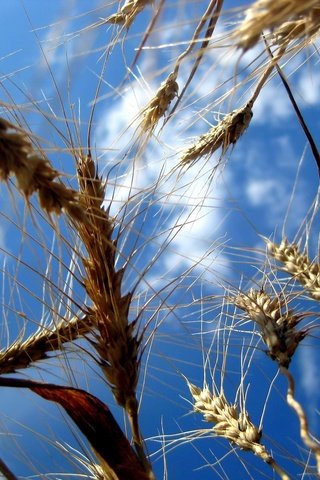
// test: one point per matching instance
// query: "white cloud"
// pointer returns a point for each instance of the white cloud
(190, 218)
(309, 87)
(263, 192)
(271, 107)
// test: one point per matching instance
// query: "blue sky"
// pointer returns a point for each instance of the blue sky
(197, 222)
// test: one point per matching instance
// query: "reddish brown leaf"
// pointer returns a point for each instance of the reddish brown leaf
(95, 421)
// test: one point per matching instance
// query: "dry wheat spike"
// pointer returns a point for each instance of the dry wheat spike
(276, 322)
(159, 104)
(34, 173)
(227, 132)
(21, 354)
(287, 19)
(232, 424)
(298, 265)
(117, 341)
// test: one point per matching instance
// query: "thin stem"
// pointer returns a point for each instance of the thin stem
(302, 122)
(267, 73)
(304, 428)
(262, 453)
(6, 471)
(212, 23)
(138, 441)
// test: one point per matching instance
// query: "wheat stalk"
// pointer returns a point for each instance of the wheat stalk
(309, 441)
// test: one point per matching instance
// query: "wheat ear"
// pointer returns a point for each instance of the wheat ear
(117, 341)
(227, 132)
(276, 322)
(34, 173)
(49, 338)
(288, 19)
(298, 265)
(159, 104)
(232, 424)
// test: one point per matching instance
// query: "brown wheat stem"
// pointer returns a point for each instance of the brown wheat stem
(214, 16)
(264, 77)
(302, 121)
(4, 469)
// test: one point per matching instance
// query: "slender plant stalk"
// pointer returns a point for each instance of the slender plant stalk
(308, 440)
(4, 469)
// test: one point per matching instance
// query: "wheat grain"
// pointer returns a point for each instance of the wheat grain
(298, 265)
(117, 345)
(304, 29)
(277, 323)
(117, 342)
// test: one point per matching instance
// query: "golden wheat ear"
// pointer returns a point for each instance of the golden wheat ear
(276, 322)
(117, 339)
(159, 104)
(288, 20)
(96, 422)
(298, 264)
(226, 133)
(34, 173)
(232, 423)
(51, 338)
